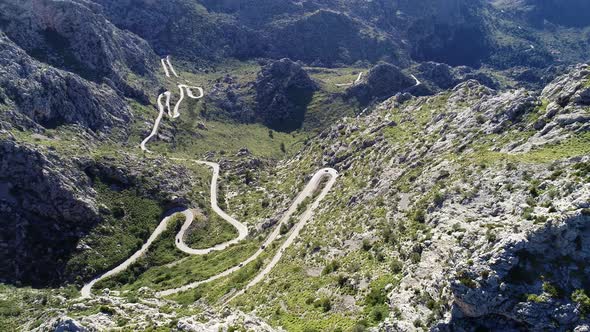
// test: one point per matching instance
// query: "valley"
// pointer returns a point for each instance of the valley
(279, 165)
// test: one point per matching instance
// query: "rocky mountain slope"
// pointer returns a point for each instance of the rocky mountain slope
(460, 211)
(332, 32)
(73, 35)
(462, 200)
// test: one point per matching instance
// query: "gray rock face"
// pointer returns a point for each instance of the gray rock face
(202, 34)
(73, 35)
(506, 242)
(225, 94)
(67, 324)
(328, 37)
(382, 82)
(45, 202)
(548, 263)
(565, 110)
(52, 97)
(438, 73)
(283, 91)
(439, 76)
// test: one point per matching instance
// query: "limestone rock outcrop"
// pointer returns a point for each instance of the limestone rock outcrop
(283, 91)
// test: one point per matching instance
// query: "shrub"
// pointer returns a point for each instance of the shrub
(485, 274)
(378, 314)
(324, 303)
(490, 236)
(107, 310)
(419, 216)
(511, 167)
(359, 328)
(583, 301)
(396, 266)
(480, 119)
(466, 280)
(333, 266)
(367, 245)
(534, 298)
(541, 219)
(552, 290)
(527, 213)
(438, 198)
(8, 309)
(285, 228)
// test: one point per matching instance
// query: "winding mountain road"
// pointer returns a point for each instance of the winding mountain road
(308, 191)
(418, 83)
(189, 92)
(173, 114)
(158, 120)
(170, 66)
(307, 215)
(87, 289)
(242, 229)
(189, 214)
(179, 241)
(166, 71)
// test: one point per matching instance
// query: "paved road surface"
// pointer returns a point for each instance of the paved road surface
(242, 229)
(87, 289)
(158, 120)
(189, 216)
(307, 192)
(171, 67)
(189, 92)
(167, 65)
(307, 215)
(165, 68)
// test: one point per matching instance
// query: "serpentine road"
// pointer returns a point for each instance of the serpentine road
(295, 233)
(242, 229)
(308, 191)
(417, 81)
(173, 114)
(180, 244)
(158, 120)
(189, 214)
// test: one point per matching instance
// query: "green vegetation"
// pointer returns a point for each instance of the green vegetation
(215, 291)
(535, 298)
(228, 138)
(579, 296)
(162, 251)
(465, 279)
(552, 290)
(577, 145)
(582, 170)
(333, 266)
(376, 307)
(165, 275)
(19, 306)
(208, 232)
(128, 222)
